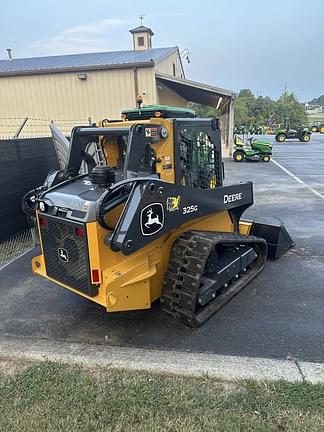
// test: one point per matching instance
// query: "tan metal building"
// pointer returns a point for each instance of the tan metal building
(70, 89)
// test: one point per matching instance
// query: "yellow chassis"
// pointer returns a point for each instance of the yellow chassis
(135, 281)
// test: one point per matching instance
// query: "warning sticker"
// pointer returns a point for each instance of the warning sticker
(151, 132)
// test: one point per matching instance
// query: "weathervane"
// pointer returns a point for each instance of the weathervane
(141, 17)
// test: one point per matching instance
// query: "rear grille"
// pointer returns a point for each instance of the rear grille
(66, 253)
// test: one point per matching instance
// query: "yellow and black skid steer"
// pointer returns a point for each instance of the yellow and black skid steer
(145, 216)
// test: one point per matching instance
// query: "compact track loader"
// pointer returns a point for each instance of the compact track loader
(146, 216)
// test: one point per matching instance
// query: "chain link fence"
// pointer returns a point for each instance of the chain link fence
(15, 247)
(30, 127)
(26, 155)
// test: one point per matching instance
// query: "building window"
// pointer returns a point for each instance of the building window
(140, 41)
(174, 69)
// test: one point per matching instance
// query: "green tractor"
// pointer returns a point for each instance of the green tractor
(317, 127)
(292, 129)
(252, 129)
(241, 129)
(253, 149)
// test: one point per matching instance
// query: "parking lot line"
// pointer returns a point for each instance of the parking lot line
(297, 179)
(282, 156)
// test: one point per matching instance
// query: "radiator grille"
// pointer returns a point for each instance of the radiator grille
(65, 253)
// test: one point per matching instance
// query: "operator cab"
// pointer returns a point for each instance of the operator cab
(156, 140)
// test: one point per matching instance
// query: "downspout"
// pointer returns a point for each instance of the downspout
(135, 82)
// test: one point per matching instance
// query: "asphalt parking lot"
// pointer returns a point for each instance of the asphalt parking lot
(279, 315)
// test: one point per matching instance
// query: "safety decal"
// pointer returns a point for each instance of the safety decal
(173, 203)
(152, 219)
(151, 132)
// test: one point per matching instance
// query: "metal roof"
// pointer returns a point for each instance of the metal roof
(142, 29)
(194, 91)
(88, 61)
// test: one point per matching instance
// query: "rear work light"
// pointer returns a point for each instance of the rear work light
(43, 221)
(79, 232)
(95, 276)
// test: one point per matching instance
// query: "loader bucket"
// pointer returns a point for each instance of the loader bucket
(276, 236)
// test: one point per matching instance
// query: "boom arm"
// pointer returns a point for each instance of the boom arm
(154, 208)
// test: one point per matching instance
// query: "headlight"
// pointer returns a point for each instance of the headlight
(163, 132)
(42, 206)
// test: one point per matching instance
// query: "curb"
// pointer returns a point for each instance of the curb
(169, 362)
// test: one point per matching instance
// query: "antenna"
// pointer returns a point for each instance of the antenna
(141, 17)
(9, 51)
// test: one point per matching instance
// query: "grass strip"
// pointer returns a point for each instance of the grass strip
(56, 397)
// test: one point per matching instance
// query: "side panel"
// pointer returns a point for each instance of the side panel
(136, 280)
(146, 86)
(64, 97)
(171, 66)
(156, 208)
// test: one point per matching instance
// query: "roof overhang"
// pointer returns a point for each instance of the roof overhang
(194, 91)
(89, 68)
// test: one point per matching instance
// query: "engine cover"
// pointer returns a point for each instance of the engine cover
(75, 200)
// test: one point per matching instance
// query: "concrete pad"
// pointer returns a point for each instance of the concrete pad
(312, 372)
(226, 368)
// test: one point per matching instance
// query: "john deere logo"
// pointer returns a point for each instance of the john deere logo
(152, 219)
(173, 203)
(63, 255)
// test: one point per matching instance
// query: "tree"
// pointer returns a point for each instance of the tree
(243, 106)
(287, 106)
(317, 101)
(241, 114)
(263, 109)
(246, 94)
(249, 110)
(204, 111)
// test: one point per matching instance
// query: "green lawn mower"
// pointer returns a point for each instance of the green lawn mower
(254, 149)
(292, 129)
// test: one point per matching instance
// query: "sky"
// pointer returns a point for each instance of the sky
(236, 44)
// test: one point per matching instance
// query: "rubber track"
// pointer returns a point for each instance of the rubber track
(186, 267)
